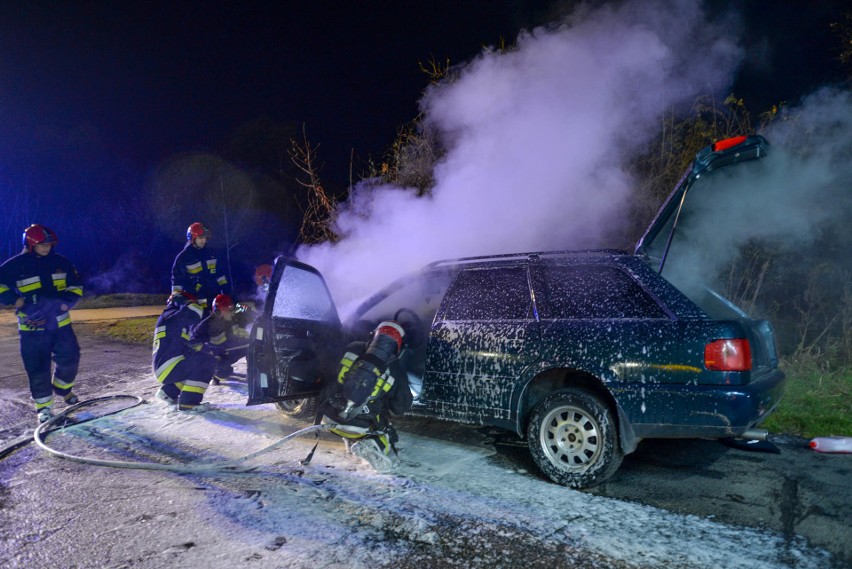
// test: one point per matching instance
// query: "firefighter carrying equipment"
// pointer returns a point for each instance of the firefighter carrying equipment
(368, 376)
(371, 387)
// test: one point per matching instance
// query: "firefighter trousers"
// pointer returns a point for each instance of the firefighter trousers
(189, 379)
(39, 351)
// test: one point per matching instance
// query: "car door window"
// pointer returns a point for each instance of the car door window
(588, 292)
(302, 294)
(489, 294)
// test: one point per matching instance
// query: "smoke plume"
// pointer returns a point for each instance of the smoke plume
(789, 199)
(538, 139)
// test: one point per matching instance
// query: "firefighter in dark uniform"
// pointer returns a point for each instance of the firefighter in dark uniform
(43, 286)
(371, 388)
(196, 271)
(179, 365)
(262, 278)
(225, 334)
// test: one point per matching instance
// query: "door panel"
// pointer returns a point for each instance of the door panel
(478, 345)
(296, 342)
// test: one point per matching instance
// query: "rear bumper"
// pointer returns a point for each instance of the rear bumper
(688, 411)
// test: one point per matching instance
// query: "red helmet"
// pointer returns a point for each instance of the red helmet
(223, 303)
(262, 275)
(196, 230)
(393, 330)
(36, 234)
(181, 297)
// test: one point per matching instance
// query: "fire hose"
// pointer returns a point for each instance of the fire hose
(233, 465)
(40, 431)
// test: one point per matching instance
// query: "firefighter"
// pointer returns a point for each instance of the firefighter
(195, 268)
(179, 365)
(371, 388)
(262, 278)
(43, 285)
(225, 334)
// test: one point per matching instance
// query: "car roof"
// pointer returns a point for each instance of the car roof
(534, 256)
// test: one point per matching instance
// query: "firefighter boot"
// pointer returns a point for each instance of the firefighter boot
(369, 450)
(165, 397)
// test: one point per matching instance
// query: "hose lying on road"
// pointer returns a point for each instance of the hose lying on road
(223, 466)
(30, 438)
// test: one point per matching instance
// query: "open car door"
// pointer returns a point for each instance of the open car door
(296, 341)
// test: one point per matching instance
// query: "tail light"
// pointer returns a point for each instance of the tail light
(728, 143)
(728, 355)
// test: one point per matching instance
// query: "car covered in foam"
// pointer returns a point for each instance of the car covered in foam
(581, 353)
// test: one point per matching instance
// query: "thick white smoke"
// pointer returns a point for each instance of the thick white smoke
(803, 188)
(538, 141)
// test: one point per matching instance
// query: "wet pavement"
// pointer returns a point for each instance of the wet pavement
(769, 510)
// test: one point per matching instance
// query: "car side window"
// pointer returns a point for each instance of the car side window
(589, 291)
(489, 294)
(302, 294)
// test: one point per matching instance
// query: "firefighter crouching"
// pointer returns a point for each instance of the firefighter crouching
(225, 334)
(371, 388)
(43, 286)
(183, 370)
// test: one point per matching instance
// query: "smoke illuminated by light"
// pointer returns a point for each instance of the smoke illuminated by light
(538, 142)
(803, 188)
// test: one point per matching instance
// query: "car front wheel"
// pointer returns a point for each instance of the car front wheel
(298, 408)
(573, 438)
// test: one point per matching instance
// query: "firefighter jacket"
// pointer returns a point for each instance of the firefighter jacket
(388, 393)
(172, 342)
(196, 272)
(220, 335)
(46, 283)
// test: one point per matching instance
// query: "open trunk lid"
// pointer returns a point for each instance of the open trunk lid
(666, 228)
(687, 240)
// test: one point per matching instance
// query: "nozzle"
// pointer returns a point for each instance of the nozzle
(349, 410)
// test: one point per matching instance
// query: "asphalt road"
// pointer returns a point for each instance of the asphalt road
(796, 492)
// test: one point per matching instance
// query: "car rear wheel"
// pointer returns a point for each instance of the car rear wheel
(573, 438)
(298, 408)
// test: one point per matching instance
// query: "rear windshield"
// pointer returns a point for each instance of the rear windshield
(719, 211)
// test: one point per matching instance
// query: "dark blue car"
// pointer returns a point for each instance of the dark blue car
(583, 353)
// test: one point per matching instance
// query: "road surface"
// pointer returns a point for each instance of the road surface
(463, 497)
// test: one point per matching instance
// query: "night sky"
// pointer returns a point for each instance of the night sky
(98, 94)
(156, 78)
